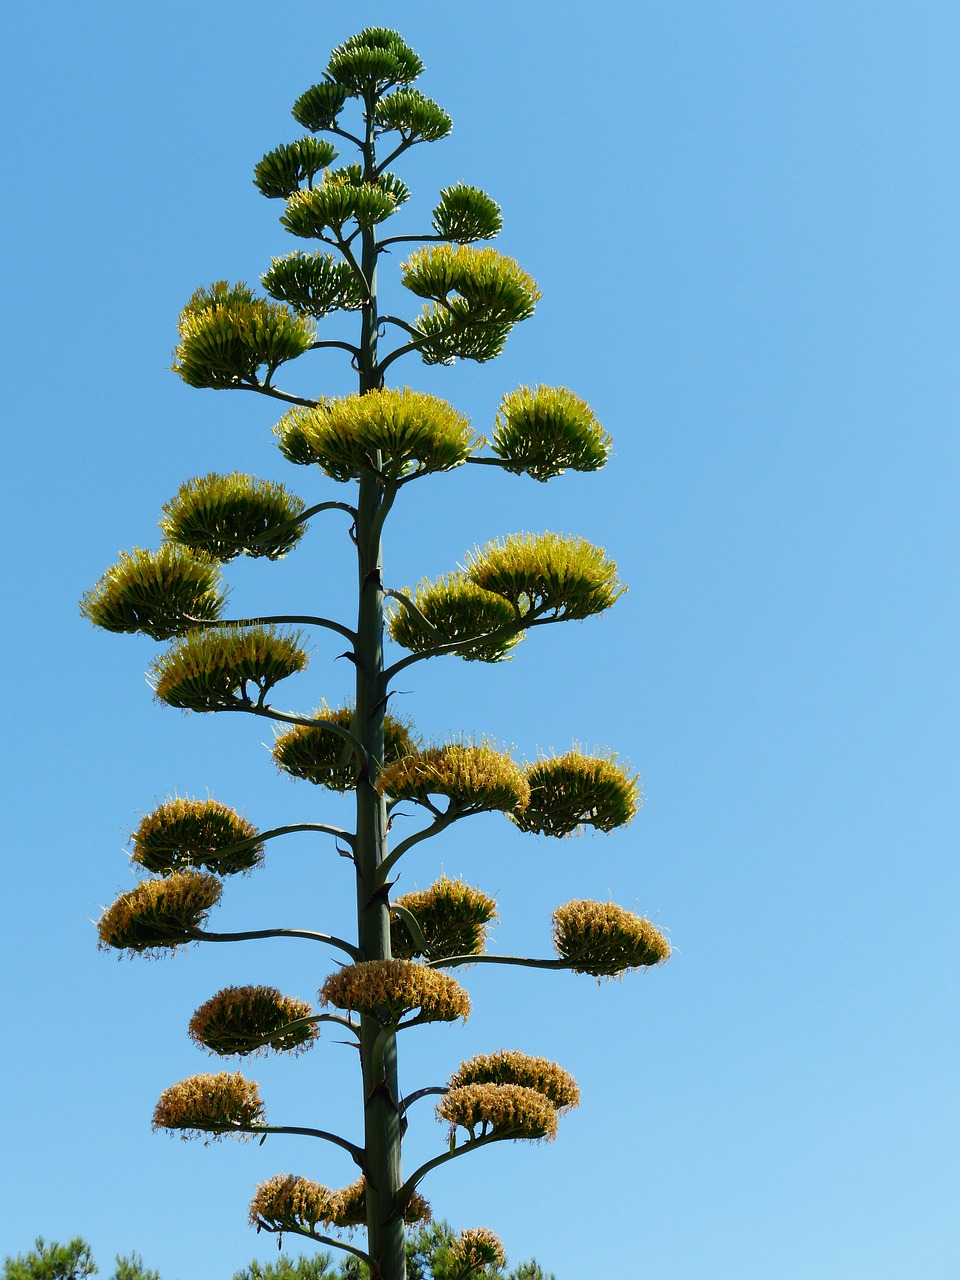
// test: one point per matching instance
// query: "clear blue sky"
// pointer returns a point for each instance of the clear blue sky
(743, 217)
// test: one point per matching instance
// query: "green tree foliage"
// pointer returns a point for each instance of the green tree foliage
(358, 455)
(71, 1261)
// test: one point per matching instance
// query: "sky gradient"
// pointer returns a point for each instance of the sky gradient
(743, 220)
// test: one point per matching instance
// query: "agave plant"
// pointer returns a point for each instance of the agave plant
(393, 974)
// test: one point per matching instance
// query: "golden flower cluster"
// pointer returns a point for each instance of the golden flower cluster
(210, 1104)
(572, 791)
(452, 916)
(288, 1202)
(388, 989)
(605, 940)
(159, 914)
(473, 1252)
(509, 1066)
(236, 1020)
(472, 776)
(499, 1110)
(191, 833)
(324, 758)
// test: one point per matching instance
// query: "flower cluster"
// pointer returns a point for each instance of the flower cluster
(605, 940)
(573, 791)
(212, 670)
(544, 431)
(389, 989)
(288, 1202)
(210, 1105)
(406, 432)
(159, 914)
(247, 1020)
(184, 833)
(454, 611)
(226, 516)
(509, 1066)
(498, 1110)
(321, 756)
(452, 916)
(159, 593)
(548, 574)
(473, 777)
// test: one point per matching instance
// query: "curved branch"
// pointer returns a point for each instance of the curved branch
(337, 832)
(247, 935)
(412, 925)
(330, 342)
(452, 962)
(312, 1235)
(411, 1098)
(289, 619)
(407, 347)
(256, 1042)
(401, 324)
(405, 145)
(303, 518)
(355, 1152)
(489, 462)
(265, 389)
(523, 623)
(440, 823)
(414, 239)
(419, 1174)
(289, 717)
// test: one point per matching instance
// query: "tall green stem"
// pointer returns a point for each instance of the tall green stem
(382, 1119)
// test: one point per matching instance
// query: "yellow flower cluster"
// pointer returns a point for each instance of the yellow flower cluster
(288, 1202)
(475, 777)
(572, 791)
(210, 1104)
(406, 432)
(453, 918)
(500, 1110)
(605, 940)
(189, 833)
(550, 573)
(388, 989)
(324, 758)
(547, 429)
(160, 913)
(210, 670)
(475, 1250)
(509, 1066)
(235, 1021)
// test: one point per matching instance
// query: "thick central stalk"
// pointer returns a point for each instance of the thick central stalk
(382, 1127)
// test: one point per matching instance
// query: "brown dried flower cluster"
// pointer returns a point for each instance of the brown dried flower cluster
(473, 777)
(237, 1020)
(159, 914)
(193, 833)
(210, 1105)
(452, 916)
(501, 1110)
(509, 1066)
(288, 1202)
(388, 989)
(605, 940)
